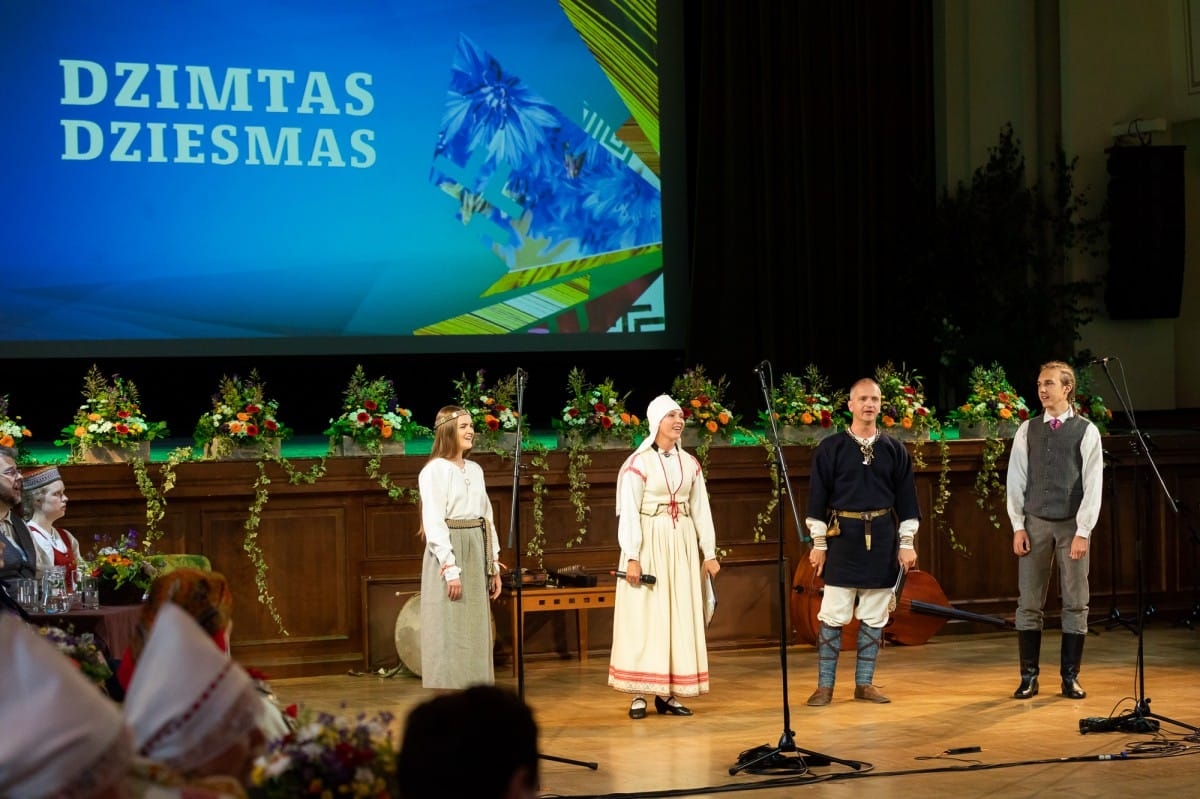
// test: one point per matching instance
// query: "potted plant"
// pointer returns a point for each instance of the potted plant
(707, 420)
(12, 432)
(492, 408)
(805, 408)
(596, 417)
(242, 424)
(109, 426)
(993, 408)
(372, 419)
(124, 571)
(902, 412)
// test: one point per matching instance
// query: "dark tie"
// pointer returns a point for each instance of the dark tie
(1055, 424)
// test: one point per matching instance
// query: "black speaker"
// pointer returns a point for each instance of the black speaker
(1145, 232)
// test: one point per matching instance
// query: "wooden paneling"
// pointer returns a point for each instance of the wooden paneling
(326, 543)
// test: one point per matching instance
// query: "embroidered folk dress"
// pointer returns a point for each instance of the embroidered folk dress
(664, 521)
(456, 637)
(55, 548)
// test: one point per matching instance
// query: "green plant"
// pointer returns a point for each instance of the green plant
(110, 415)
(372, 415)
(128, 561)
(241, 415)
(1088, 403)
(992, 399)
(492, 408)
(597, 411)
(12, 432)
(805, 401)
(902, 397)
(156, 496)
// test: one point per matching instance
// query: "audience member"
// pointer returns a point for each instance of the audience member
(481, 743)
(189, 706)
(44, 500)
(62, 736)
(18, 554)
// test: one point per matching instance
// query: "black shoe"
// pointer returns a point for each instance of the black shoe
(675, 709)
(637, 708)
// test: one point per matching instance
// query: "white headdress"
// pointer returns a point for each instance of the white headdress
(187, 700)
(658, 409)
(62, 736)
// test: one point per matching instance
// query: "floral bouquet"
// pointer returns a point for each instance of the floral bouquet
(241, 416)
(82, 649)
(702, 401)
(12, 432)
(806, 402)
(110, 416)
(992, 403)
(371, 415)
(126, 563)
(903, 400)
(491, 408)
(1089, 404)
(329, 756)
(596, 413)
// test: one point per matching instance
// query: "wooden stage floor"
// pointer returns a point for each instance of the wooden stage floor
(952, 692)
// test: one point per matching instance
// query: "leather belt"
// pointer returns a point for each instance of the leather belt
(865, 516)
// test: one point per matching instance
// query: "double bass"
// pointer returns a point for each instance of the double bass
(922, 609)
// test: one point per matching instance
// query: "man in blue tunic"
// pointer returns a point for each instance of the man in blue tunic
(861, 484)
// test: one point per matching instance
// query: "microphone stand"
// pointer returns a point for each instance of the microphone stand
(760, 759)
(1139, 720)
(514, 542)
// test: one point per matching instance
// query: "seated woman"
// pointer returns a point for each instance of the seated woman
(205, 596)
(44, 502)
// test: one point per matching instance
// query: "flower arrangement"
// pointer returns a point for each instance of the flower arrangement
(241, 415)
(806, 401)
(12, 432)
(1090, 404)
(491, 408)
(109, 416)
(82, 649)
(594, 412)
(127, 562)
(329, 755)
(702, 400)
(371, 414)
(903, 400)
(992, 400)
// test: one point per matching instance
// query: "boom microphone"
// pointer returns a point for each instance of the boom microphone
(763, 366)
(648, 579)
(1100, 361)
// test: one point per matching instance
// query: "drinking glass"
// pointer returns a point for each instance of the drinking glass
(28, 595)
(55, 597)
(89, 591)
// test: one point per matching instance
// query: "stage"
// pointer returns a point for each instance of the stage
(950, 693)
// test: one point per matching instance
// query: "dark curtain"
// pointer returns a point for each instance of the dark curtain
(811, 174)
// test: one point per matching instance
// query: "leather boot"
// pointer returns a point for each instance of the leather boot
(1029, 643)
(1072, 654)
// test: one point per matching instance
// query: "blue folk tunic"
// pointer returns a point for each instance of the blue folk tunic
(841, 481)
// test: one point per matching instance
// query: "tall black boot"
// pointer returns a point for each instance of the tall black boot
(1072, 654)
(1030, 645)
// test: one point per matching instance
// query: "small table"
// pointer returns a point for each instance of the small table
(580, 600)
(114, 625)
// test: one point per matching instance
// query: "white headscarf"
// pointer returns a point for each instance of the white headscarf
(187, 699)
(658, 409)
(62, 736)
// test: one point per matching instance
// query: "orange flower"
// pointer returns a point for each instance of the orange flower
(6, 441)
(807, 418)
(695, 403)
(712, 426)
(625, 418)
(906, 422)
(80, 431)
(724, 417)
(94, 417)
(243, 417)
(1005, 413)
(635, 420)
(26, 432)
(235, 427)
(889, 421)
(386, 431)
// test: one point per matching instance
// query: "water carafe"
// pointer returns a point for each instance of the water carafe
(55, 597)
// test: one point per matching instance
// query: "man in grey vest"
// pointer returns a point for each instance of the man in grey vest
(1055, 479)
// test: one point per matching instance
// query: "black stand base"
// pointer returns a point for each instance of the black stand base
(1140, 721)
(585, 763)
(784, 758)
(1192, 619)
(1115, 619)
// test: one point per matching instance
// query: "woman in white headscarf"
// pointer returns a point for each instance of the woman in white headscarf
(664, 525)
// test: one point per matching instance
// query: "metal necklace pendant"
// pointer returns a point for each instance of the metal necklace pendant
(865, 445)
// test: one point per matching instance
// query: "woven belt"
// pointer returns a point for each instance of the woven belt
(664, 509)
(472, 524)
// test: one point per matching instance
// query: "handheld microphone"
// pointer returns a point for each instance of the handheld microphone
(1100, 361)
(648, 579)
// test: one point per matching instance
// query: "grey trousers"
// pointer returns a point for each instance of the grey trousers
(1050, 541)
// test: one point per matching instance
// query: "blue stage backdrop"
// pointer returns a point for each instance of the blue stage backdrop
(301, 176)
